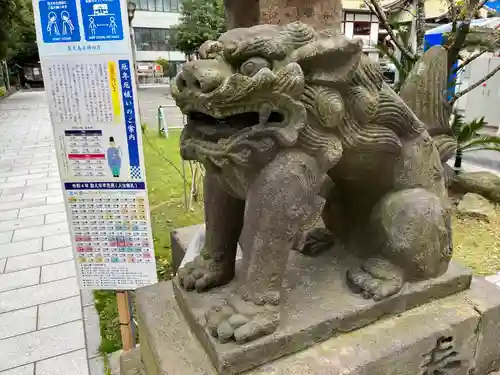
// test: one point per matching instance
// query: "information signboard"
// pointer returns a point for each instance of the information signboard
(87, 65)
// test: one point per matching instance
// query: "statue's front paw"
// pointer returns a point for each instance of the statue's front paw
(241, 321)
(377, 278)
(203, 274)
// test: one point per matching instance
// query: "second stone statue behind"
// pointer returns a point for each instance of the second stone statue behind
(295, 125)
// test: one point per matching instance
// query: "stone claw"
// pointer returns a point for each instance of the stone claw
(203, 274)
(241, 320)
(376, 278)
(318, 241)
(268, 298)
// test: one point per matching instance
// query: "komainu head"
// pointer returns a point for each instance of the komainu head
(257, 90)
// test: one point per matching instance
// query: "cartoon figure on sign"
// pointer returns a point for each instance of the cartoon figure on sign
(114, 158)
(52, 25)
(67, 25)
(92, 25)
(112, 25)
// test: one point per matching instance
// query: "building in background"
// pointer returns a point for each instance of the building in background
(152, 22)
(360, 23)
(154, 19)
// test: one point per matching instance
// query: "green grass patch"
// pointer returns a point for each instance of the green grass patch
(105, 304)
(166, 199)
(166, 190)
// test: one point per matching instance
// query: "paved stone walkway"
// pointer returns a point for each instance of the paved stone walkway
(47, 326)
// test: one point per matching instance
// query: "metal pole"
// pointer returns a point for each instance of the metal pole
(159, 115)
(132, 45)
(169, 66)
(185, 187)
(134, 59)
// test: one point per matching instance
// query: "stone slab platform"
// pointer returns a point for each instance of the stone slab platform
(456, 335)
(317, 306)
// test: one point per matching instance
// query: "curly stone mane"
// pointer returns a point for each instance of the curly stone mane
(334, 96)
(358, 108)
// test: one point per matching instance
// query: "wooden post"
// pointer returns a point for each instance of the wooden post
(125, 317)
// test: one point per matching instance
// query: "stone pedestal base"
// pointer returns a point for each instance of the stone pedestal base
(316, 305)
(457, 335)
(435, 327)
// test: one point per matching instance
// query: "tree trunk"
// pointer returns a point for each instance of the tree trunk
(241, 13)
(320, 14)
(420, 26)
(457, 166)
(5, 73)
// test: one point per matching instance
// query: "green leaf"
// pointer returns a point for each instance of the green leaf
(478, 124)
(457, 123)
(468, 132)
(485, 148)
(465, 133)
(17, 33)
(200, 20)
(486, 141)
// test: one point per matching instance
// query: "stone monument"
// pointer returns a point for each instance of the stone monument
(332, 185)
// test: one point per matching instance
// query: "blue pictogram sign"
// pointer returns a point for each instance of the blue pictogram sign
(102, 20)
(59, 21)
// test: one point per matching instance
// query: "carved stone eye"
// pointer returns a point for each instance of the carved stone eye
(253, 65)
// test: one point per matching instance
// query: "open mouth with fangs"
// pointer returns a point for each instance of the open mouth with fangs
(213, 129)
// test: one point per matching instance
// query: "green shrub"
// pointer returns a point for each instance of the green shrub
(164, 64)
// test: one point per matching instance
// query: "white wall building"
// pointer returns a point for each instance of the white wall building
(154, 19)
(152, 22)
(364, 26)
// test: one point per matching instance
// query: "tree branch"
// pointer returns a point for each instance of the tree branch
(377, 9)
(420, 26)
(479, 5)
(460, 36)
(476, 84)
(453, 14)
(461, 32)
(468, 60)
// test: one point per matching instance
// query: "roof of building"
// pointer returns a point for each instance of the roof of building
(400, 8)
(490, 23)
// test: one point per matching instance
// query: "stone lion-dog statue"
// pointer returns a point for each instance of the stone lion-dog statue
(294, 125)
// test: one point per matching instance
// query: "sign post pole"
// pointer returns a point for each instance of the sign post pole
(88, 68)
(126, 319)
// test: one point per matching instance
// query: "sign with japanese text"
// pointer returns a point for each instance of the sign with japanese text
(87, 65)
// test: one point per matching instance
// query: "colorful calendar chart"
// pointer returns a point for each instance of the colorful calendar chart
(85, 153)
(110, 229)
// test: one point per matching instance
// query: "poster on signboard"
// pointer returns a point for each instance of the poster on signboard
(88, 73)
(102, 19)
(59, 21)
